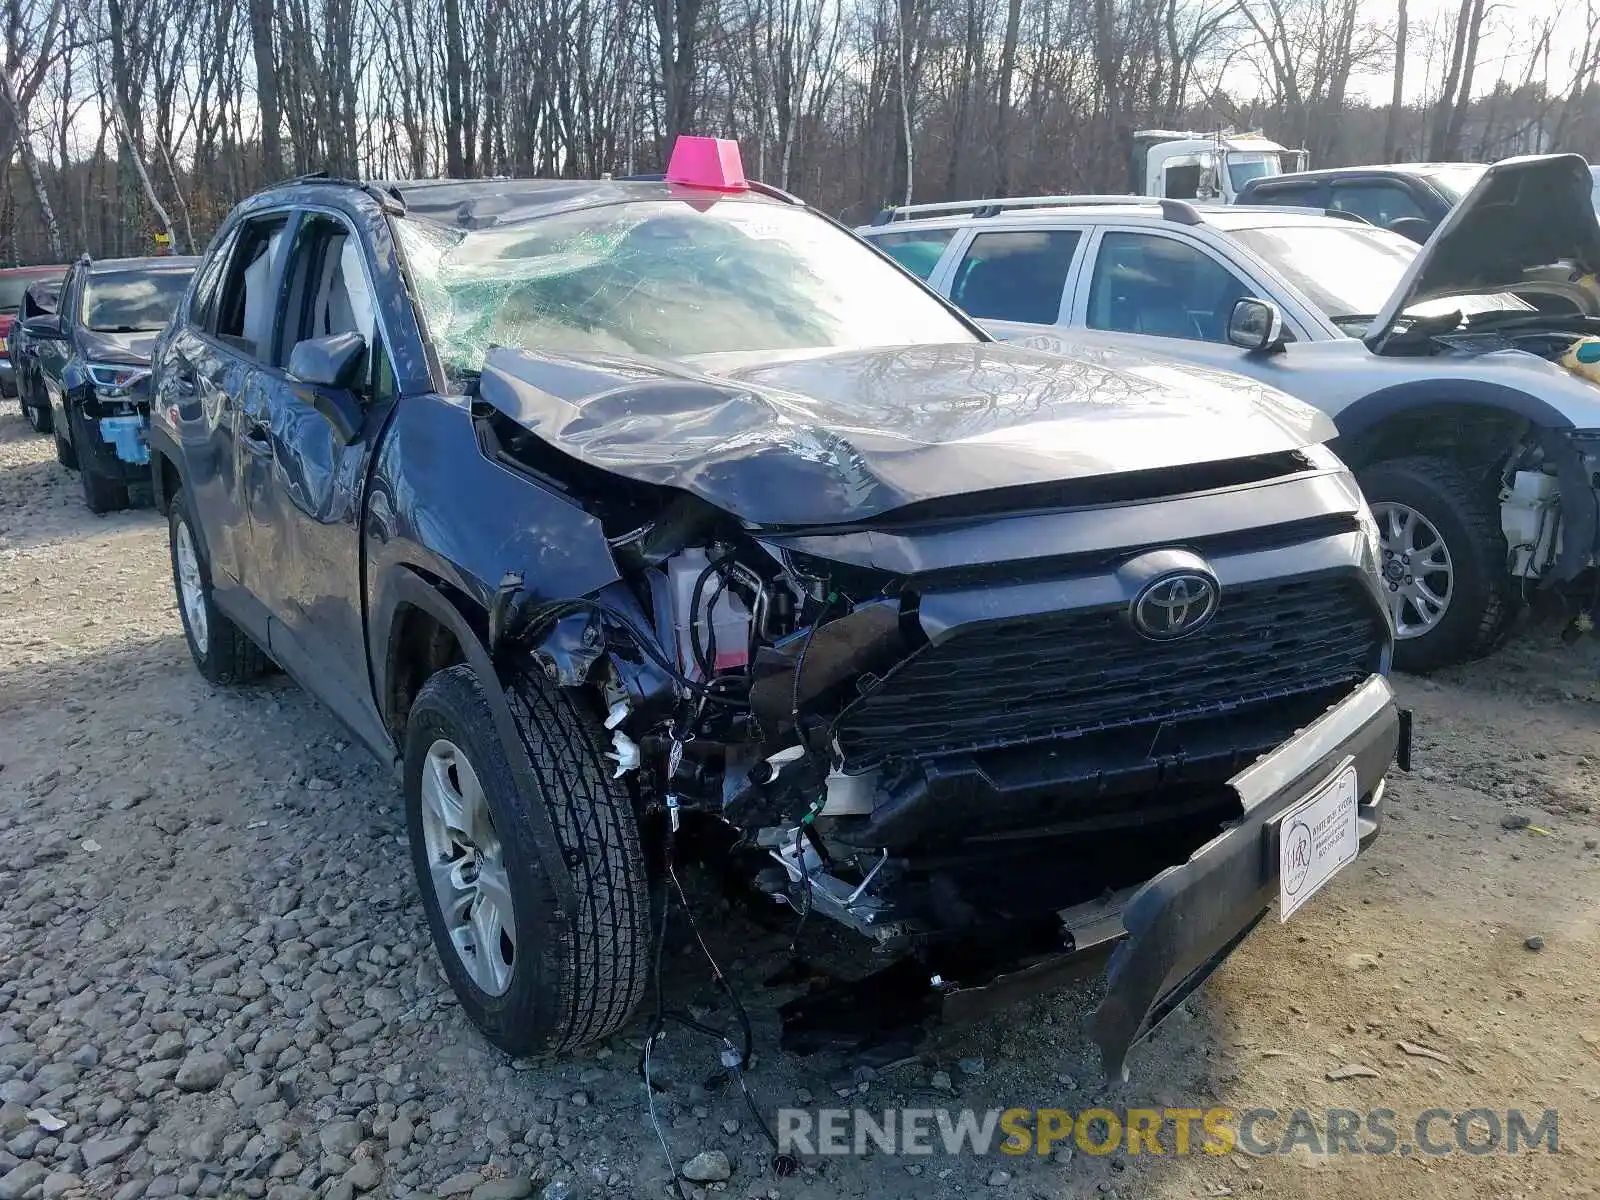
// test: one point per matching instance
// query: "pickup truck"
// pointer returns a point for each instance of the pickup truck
(614, 511)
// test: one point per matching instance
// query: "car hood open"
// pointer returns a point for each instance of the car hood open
(839, 437)
(1524, 213)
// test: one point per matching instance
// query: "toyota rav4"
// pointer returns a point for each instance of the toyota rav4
(606, 508)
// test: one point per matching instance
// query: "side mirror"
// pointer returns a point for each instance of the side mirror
(1418, 229)
(46, 328)
(328, 367)
(330, 362)
(1256, 326)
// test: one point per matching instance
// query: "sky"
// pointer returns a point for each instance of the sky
(1502, 51)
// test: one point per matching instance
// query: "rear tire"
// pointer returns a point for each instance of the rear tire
(1462, 512)
(38, 416)
(221, 650)
(559, 979)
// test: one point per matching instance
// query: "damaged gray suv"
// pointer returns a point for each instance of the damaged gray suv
(619, 513)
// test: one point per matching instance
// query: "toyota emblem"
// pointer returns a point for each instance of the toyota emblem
(1176, 605)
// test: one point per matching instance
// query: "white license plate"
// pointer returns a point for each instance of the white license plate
(1316, 838)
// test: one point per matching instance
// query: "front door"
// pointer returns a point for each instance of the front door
(307, 485)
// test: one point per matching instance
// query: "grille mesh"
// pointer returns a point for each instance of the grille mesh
(1034, 678)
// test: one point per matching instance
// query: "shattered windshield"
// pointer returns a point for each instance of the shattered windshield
(667, 279)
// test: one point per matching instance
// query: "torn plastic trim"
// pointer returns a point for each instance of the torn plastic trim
(1580, 505)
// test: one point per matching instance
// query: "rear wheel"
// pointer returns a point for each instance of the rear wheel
(223, 652)
(534, 978)
(38, 414)
(1443, 560)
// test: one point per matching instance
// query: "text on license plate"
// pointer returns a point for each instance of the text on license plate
(1316, 838)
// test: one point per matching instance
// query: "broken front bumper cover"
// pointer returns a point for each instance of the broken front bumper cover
(1165, 937)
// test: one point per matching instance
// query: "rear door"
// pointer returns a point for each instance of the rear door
(306, 482)
(210, 377)
(50, 361)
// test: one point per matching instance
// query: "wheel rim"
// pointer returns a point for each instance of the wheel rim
(466, 865)
(190, 591)
(1419, 577)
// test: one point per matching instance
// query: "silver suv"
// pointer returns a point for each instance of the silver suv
(1439, 364)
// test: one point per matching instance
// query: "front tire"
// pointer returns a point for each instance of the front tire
(102, 495)
(1443, 558)
(221, 650)
(534, 980)
(66, 454)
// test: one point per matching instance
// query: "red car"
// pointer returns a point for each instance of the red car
(13, 282)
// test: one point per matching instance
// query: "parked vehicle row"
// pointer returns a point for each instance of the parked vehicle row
(1440, 366)
(82, 356)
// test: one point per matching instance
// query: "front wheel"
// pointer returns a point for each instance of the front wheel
(535, 978)
(1443, 560)
(102, 495)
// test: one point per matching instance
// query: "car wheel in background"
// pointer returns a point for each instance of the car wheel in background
(38, 418)
(1443, 560)
(66, 454)
(223, 652)
(535, 977)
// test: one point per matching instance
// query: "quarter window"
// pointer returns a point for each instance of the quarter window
(918, 250)
(1144, 283)
(1016, 276)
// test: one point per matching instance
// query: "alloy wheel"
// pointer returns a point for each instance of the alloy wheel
(1418, 574)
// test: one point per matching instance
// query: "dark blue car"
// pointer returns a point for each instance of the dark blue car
(93, 366)
(611, 512)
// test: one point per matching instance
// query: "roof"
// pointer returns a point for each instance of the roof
(1406, 168)
(1225, 217)
(485, 203)
(160, 262)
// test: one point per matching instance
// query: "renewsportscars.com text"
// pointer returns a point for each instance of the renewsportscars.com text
(1169, 1131)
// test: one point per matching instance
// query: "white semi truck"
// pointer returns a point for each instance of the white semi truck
(1205, 166)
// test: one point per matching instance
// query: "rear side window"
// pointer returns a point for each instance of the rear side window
(247, 304)
(1016, 276)
(918, 251)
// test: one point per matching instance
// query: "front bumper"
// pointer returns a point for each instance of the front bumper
(1164, 937)
(1184, 922)
(113, 444)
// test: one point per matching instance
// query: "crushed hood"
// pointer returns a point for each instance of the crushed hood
(833, 438)
(1524, 213)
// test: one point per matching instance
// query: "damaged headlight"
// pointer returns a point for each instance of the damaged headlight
(115, 381)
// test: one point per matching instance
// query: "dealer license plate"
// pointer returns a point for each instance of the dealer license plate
(1316, 838)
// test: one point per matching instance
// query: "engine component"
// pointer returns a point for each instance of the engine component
(812, 884)
(709, 620)
(1530, 517)
(624, 750)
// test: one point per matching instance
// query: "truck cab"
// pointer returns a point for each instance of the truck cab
(1206, 166)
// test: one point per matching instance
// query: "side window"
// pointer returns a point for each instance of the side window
(203, 301)
(1016, 276)
(1147, 283)
(246, 306)
(917, 250)
(1380, 203)
(328, 294)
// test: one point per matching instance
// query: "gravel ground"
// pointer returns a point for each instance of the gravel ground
(215, 977)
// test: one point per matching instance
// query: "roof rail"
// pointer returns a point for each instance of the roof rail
(1180, 212)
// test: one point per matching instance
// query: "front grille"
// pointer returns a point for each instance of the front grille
(1054, 675)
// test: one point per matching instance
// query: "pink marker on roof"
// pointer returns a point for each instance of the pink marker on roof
(707, 162)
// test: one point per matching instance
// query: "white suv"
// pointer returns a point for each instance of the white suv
(1438, 363)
